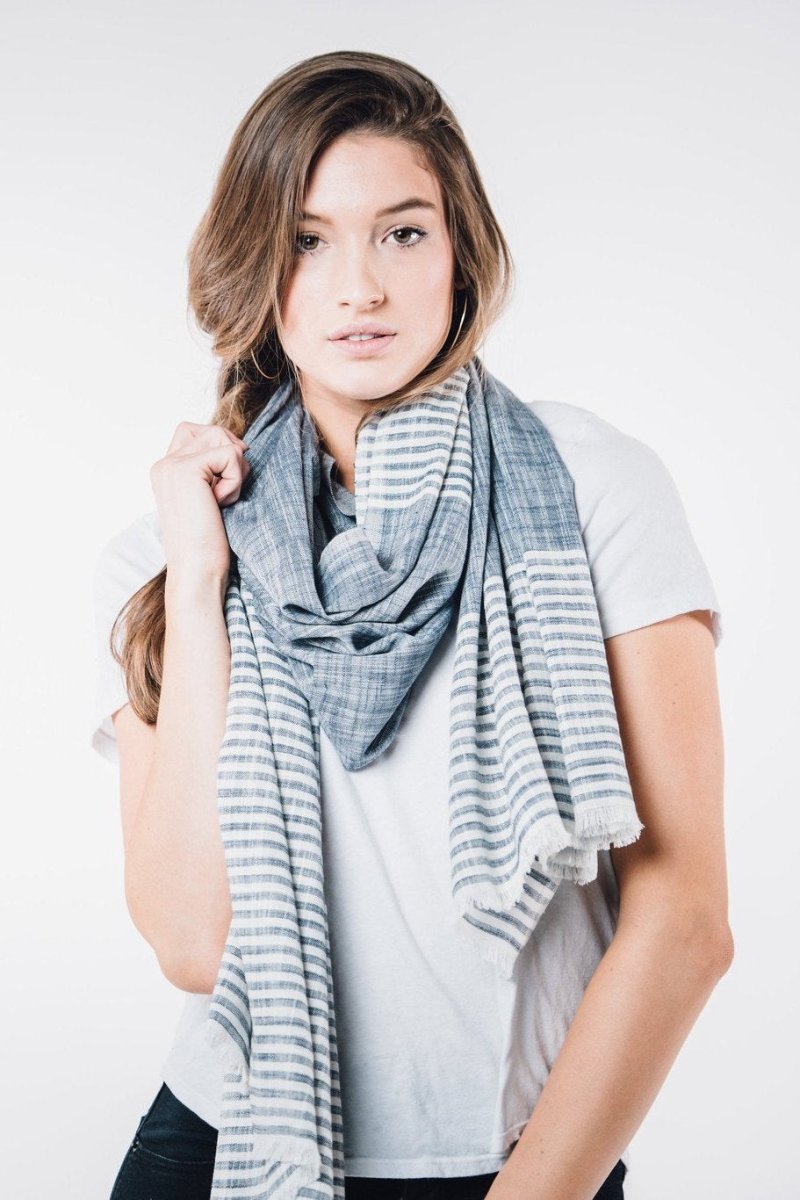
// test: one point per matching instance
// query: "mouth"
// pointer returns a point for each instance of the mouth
(361, 328)
(363, 345)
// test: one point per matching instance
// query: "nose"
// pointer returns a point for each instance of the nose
(359, 285)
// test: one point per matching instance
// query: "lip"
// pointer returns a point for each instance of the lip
(382, 338)
(361, 327)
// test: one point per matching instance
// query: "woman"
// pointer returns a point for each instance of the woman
(349, 255)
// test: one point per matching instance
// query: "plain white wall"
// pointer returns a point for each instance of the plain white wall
(642, 158)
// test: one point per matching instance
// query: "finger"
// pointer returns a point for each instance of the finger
(228, 489)
(190, 433)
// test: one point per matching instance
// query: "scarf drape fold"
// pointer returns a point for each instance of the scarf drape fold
(463, 508)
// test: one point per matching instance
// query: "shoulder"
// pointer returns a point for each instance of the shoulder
(132, 547)
(566, 423)
(644, 560)
(613, 471)
(125, 563)
(128, 560)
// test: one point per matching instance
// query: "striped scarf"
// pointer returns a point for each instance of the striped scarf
(462, 503)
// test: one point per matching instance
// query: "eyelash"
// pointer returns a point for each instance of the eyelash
(399, 245)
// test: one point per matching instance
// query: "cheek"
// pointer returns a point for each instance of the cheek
(296, 300)
(430, 285)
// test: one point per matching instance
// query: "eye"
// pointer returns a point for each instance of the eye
(420, 234)
(304, 249)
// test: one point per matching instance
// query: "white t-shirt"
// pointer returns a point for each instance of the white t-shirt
(441, 1060)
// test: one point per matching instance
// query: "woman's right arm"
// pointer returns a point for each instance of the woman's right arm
(176, 885)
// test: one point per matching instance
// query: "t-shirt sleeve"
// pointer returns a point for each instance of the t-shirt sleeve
(645, 563)
(123, 565)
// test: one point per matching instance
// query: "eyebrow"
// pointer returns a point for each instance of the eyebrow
(412, 202)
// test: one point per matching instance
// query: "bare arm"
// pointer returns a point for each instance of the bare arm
(672, 943)
(175, 879)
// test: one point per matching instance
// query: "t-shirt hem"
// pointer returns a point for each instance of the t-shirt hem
(430, 1168)
(637, 616)
(434, 1166)
(193, 1099)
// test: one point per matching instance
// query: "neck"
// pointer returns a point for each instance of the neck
(337, 429)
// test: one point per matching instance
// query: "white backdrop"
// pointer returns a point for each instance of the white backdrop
(642, 159)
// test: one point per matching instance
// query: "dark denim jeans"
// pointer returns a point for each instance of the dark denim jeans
(171, 1157)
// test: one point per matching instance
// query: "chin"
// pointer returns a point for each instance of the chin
(382, 374)
(365, 380)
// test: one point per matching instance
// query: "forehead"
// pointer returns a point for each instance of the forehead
(365, 177)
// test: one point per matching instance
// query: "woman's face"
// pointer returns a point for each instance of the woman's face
(356, 263)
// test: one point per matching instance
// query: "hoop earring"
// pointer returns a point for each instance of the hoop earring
(461, 322)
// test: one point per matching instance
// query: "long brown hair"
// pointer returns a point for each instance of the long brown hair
(242, 254)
